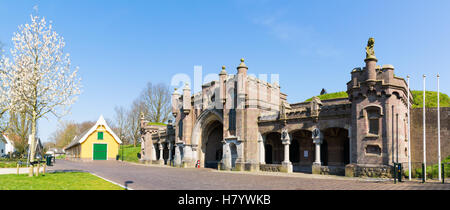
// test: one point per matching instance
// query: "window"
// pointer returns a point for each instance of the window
(373, 117)
(232, 119)
(100, 136)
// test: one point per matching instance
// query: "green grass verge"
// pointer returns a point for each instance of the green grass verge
(10, 163)
(432, 171)
(157, 123)
(129, 153)
(341, 94)
(62, 157)
(56, 181)
(430, 98)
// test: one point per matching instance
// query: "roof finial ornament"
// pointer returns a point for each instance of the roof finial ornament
(242, 65)
(223, 71)
(186, 86)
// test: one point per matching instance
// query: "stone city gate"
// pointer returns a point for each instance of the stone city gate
(240, 122)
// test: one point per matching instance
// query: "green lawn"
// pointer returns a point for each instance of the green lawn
(7, 163)
(56, 181)
(129, 153)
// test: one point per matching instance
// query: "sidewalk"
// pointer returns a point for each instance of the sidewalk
(277, 174)
(22, 170)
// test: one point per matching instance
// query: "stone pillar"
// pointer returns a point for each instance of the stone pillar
(161, 154)
(177, 158)
(226, 157)
(317, 144)
(239, 164)
(317, 140)
(262, 151)
(286, 141)
(350, 144)
(169, 159)
(187, 156)
(153, 152)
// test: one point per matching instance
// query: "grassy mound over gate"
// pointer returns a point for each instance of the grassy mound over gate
(430, 98)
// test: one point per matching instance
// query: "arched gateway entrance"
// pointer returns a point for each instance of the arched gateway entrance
(208, 135)
(212, 144)
(335, 147)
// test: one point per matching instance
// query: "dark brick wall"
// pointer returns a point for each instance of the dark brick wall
(431, 134)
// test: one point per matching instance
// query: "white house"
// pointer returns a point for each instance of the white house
(6, 145)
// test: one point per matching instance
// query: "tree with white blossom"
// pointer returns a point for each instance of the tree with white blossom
(39, 78)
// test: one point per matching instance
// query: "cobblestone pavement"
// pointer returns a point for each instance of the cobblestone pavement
(151, 177)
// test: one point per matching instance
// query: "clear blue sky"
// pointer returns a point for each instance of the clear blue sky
(121, 45)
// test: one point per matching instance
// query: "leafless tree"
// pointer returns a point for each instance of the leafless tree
(64, 134)
(119, 124)
(156, 99)
(133, 120)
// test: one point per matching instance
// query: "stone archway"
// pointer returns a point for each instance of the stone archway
(212, 145)
(335, 149)
(274, 149)
(203, 130)
(302, 150)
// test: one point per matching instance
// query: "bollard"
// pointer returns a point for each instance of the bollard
(423, 173)
(395, 173)
(399, 172)
(45, 167)
(18, 168)
(443, 173)
(37, 169)
(30, 171)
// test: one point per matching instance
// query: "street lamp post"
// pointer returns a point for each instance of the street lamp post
(122, 147)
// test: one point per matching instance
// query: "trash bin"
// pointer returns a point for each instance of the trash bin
(49, 160)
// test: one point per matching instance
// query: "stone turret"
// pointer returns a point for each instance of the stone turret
(175, 105)
(222, 86)
(379, 110)
(186, 99)
(371, 61)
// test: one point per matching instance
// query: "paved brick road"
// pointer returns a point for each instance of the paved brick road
(168, 178)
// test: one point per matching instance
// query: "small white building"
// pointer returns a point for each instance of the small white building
(56, 152)
(6, 145)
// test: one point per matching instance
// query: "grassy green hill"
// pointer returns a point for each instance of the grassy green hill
(430, 98)
(341, 94)
(129, 152)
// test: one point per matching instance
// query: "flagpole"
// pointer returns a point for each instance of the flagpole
(439, 130)
(424, 136)
(409, 135)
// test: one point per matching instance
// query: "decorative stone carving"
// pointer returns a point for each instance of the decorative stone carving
(370, 52)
